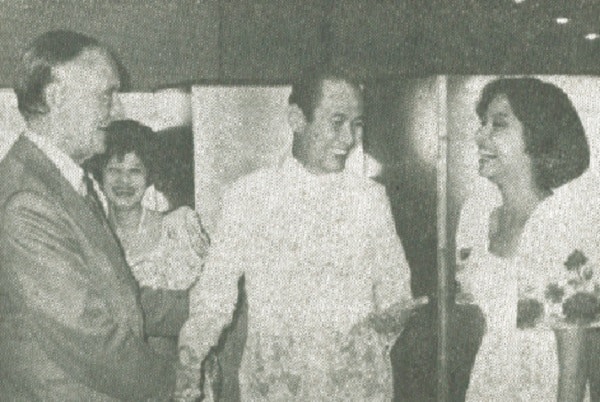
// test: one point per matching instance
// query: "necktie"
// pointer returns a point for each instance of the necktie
(92, 199)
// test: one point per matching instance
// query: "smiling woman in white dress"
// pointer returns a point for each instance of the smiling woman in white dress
(164, 250)
(515, 235)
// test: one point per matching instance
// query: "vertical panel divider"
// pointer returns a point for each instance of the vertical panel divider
(442, 252)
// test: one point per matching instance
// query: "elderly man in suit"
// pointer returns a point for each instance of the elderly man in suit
(73, 321)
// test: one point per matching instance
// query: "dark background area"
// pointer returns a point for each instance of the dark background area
(162, 41)
(401, 135)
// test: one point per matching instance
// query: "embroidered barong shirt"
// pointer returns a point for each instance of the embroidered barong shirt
(320, 257)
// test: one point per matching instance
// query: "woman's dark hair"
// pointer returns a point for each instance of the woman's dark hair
(552, 131)
(124, 137)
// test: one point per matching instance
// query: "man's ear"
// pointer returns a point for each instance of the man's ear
(55, 93)
(296, 119)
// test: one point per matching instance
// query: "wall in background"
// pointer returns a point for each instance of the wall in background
(401, 134)
(147, 108)
(236, 131)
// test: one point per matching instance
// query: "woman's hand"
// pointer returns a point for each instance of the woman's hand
(199, 239)
(185, 224)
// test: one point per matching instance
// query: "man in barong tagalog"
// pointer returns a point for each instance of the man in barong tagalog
(327, 282)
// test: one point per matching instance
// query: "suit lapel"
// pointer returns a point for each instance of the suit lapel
(60, 189)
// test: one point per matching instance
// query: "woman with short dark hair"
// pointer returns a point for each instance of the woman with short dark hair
(520, 250)
(163, 250)
(552, 131)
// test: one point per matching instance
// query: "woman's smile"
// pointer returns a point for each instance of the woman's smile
(124, 192)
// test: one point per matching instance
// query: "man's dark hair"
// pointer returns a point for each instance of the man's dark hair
(552, 131)
(307, 87)
(34, 72)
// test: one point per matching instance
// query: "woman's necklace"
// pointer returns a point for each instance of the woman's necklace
(140, 225)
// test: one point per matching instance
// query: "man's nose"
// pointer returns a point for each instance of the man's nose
(348, 135)
(122, 178)
(481, 135)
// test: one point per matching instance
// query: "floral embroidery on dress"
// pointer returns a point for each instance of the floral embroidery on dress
(529, 312)
(575, 299)
(273, 377)
(464, 253)
(348, 367)
(359, 370)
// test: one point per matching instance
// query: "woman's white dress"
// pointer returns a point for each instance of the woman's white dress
(174, 262)
(520, 364)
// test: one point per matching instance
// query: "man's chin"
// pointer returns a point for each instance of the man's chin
(326, 166)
